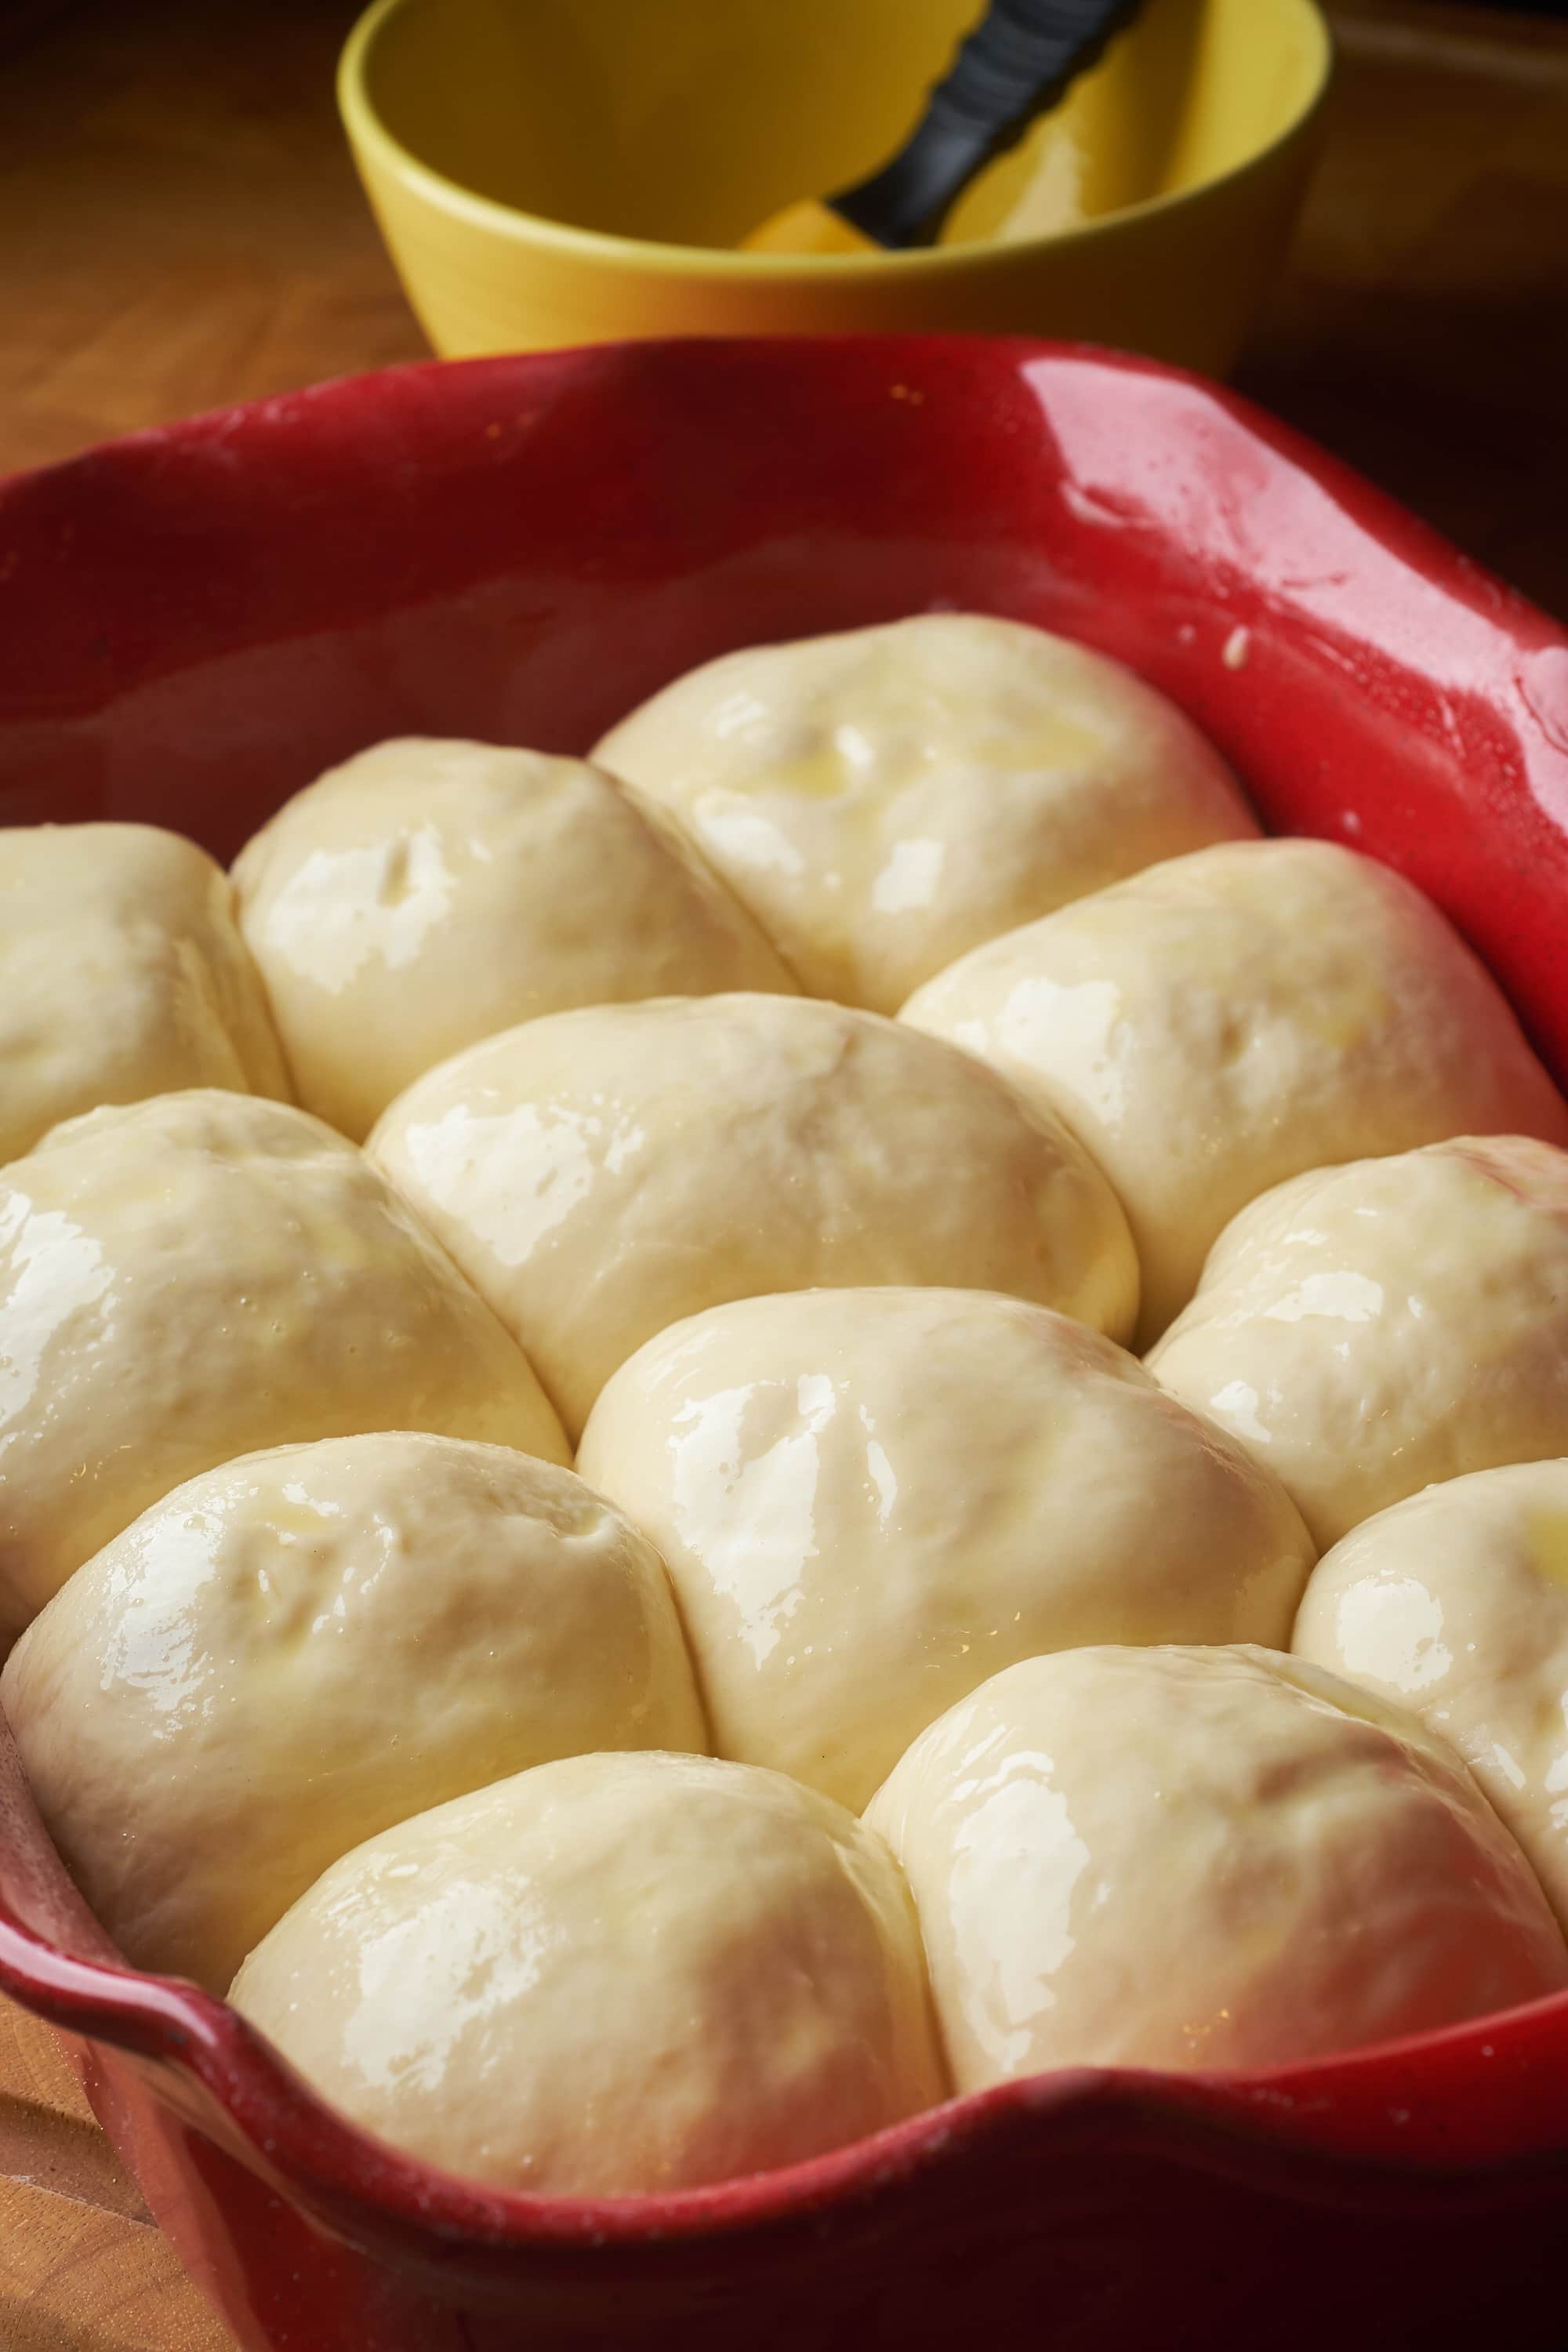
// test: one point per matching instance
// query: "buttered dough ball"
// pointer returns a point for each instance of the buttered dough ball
(886, 798)
(601, 1173)
(1455, 1603)
(201, 1276)
(121, 975)
(1219, 1023)
(613, 1974)
(289, 1653)
(426, 894)
(1202, 1858)
(870, 1500)
(1366, 1330)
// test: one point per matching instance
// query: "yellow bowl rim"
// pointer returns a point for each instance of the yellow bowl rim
(366, 130)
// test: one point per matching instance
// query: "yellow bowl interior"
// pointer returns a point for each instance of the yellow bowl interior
(686, 121)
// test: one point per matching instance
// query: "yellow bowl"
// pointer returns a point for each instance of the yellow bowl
(558, 172)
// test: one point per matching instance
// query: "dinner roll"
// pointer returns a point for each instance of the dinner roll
(121, 975)
(610, 1974)
(870, 1500)
(287, 1654)
(1223, 1021)
(1455, 1603)
(1202, 1858)
(885, 798)
(600, 1174)
(1367, 1330)
(193, 1278)
(426, 894)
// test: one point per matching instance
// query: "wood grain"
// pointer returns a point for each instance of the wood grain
(182, 228)
(75, 2279)
(82, 2268)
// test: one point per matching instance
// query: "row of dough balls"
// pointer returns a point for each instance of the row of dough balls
(198, 1276)
(867, 1502)
(904, 792)
(190, 1278)
(854, 1494)
(650, 1972)
(600, 1960)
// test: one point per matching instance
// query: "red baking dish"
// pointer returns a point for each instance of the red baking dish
(192, 623)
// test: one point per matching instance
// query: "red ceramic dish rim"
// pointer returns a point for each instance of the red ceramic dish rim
(1324, 2126)
(1226, 2123)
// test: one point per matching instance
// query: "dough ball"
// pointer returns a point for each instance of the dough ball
(1202, 1858)
(121, 975)
(1455, 1603)
(1219, 1023)
(611, 1974)
(197, 1276)
(287, 1654)
(600, 1174)
(870, 1500)
(426, 894)
(885, 798)
(1367, 1330)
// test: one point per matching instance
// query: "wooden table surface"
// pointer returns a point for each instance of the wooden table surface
(181, 227)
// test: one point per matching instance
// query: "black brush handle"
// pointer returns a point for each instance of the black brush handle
(1020, 59)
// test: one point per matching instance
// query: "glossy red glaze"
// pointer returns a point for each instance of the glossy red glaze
(193, 622)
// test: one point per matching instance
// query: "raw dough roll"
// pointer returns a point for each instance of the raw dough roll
(426, 894)
(1201, 1859)
(885, 798)
(600, 1174)
(1455, 1603)
(1366, 1330)
(121, 975)
(201, 1276)
(289, 1653)
(870, 1500)
(1222, 1023)
(612, 1974)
